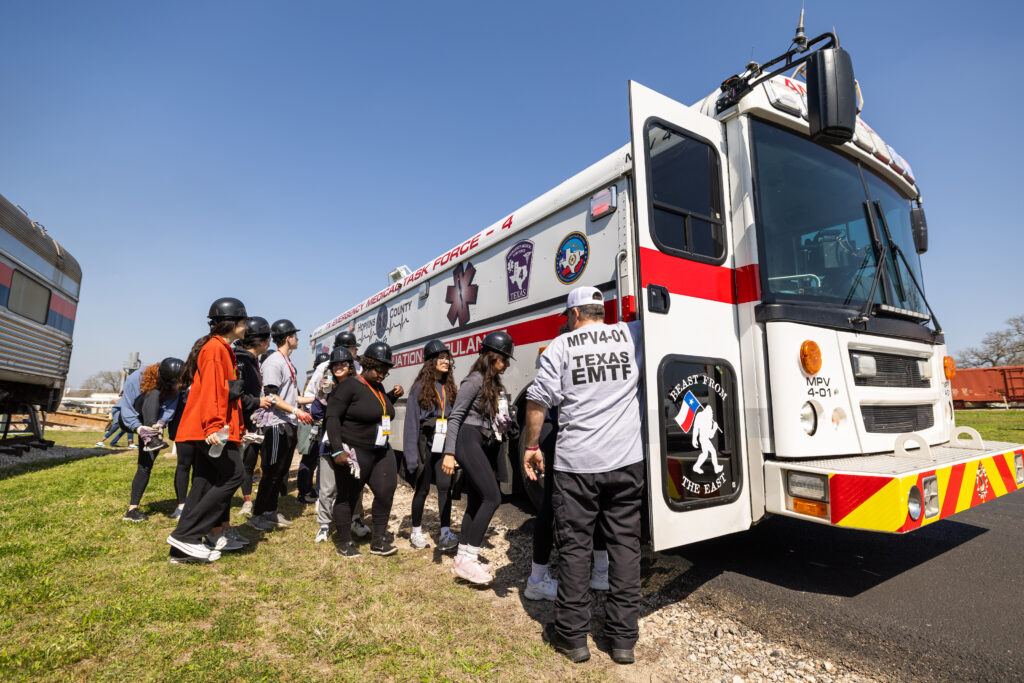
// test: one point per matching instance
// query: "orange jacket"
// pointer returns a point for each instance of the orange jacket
(208, 408)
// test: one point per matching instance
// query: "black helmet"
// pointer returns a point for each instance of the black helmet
(434, 348)
(321, 358)
(256, 327)
(170, 369)
(345, 338)
(341, 355)
(380, 352)
(283, 328)
(227, 308)
(500, 342)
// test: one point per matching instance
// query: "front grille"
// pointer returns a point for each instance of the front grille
(897, 419)
(893, 371)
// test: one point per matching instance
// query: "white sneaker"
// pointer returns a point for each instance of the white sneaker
(195, 550)
(99, 444)
(246, 510)
(545, 589)
(599, 579)
(471, 570)
(419, 540)
(359, 528)
(321, 534)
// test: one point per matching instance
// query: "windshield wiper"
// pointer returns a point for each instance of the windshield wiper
(879, 248)
(894, 248)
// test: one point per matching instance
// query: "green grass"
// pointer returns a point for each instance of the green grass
(994, 425)
(84, 595)
(77, 439)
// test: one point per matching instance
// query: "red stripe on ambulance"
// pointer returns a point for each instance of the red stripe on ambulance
(699, 280)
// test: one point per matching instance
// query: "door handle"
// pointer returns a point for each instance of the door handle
(658, 300)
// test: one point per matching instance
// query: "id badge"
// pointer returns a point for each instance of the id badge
(385, 425)
(382, 438)
(440, 431)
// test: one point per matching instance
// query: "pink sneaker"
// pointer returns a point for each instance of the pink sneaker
(471, 570)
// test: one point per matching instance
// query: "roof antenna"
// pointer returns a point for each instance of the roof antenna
(800, 39)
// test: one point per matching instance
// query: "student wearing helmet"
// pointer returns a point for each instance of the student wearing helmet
(359, 415)
(479, 421)
(280, 383)
(211, 428)
(247, 352)
(146, 406)
(426, 424)
(341, 366)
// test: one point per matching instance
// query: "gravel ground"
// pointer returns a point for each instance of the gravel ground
(681, 639)
(51, 453)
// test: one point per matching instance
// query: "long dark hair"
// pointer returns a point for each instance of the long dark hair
(430, 375)
(188, 371)
(492, 388)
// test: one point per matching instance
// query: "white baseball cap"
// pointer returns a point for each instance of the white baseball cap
(583, 296)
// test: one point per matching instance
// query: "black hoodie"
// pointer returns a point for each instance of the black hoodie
(252, 384)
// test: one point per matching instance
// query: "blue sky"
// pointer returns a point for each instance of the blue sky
(290, 154)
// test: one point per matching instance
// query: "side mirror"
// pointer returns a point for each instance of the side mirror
(831, 96)
(919, 227)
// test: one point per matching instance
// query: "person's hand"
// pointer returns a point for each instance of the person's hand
(340, 458)
(533, 463)
(448, 464)
(214, 439)
(304, 417)
(266, 402)
(397, 391)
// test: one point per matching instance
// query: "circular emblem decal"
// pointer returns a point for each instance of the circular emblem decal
(571, 259)
(382, 322)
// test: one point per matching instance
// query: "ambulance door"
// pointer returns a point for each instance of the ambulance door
(696, 472)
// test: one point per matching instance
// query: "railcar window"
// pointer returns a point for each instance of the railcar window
(29, 298)
(685, 195)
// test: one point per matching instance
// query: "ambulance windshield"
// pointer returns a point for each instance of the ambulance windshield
(816, 242)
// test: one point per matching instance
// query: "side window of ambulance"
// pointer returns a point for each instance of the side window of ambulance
(686, 197)
(28, 298)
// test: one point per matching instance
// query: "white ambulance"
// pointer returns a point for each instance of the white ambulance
(769, 242)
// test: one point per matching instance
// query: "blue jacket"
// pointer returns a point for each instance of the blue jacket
(132, 392)
(419, 421)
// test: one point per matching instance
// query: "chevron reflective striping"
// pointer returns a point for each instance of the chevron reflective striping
(847, 492)
(1004, 465)
(952, 492)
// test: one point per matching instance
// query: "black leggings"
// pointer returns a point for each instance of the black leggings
(378, 469)
(183, 473)
(214, 482)
(149, 412)
(544, 527)
(250, 456)
(478, 461)
(430, 473)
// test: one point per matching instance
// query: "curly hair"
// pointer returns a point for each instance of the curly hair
(373, 364)
(492, 388)
(427, 377)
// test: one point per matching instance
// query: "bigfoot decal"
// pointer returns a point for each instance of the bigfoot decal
(697, 396)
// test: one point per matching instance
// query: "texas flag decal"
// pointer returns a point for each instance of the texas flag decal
(688, 411)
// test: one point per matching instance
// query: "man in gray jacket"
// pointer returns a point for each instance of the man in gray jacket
(591, 374)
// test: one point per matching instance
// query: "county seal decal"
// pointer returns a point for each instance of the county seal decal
(571, 258)
(517, 270)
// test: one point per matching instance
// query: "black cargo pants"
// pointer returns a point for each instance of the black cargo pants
(580, 501)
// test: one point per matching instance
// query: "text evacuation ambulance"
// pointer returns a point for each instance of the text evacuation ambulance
(792, 365)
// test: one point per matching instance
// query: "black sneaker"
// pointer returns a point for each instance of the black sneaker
(348, 550)
(622, 655)
(155, 444)
(135, 515)
(576, 655)
(382, 548)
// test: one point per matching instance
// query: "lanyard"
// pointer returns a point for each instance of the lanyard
(441, 398)
(291, 368)
(377, 395)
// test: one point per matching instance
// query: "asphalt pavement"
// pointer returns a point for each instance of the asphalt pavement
(942, 603)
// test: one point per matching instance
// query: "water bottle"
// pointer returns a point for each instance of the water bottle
(216, 450)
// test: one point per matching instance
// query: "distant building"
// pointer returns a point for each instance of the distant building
(93, 404)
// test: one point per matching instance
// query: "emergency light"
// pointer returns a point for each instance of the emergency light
(603, 203)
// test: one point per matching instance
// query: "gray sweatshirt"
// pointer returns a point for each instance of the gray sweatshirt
(468, 410)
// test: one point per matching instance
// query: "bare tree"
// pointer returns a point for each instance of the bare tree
(104, 381)
(1003, 347)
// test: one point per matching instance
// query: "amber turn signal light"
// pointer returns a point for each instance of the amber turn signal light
(949, 366)
(810, 357)
(813, 508)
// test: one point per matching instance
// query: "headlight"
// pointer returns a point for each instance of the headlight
(863, 366)
(1018, 461)
(914, 503)
(809, 418)
(931, 496)
(804, 485)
